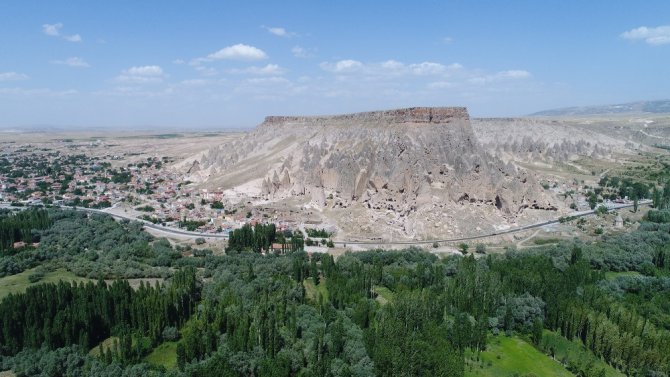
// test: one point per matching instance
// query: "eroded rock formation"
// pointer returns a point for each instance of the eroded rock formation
(417, 167)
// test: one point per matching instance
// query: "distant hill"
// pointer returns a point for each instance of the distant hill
(652, 107)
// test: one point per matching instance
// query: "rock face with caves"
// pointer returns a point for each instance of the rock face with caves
(405, 173)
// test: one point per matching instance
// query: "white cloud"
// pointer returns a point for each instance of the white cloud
(268, 80)
(147, 74)
(651, 35)
(238, 52)
(38, 92)
(342, 66)
(441, 85)
(206, 71)
(146, 70)
(72, 38)
(300, 52)
(53, 30)
(514, 74)
(447, 40)
(13, 76)
(427, 68)
(73, 62)
(389, 68)
(393, 65)
(279, 31)
(195, 82)
(270, 69)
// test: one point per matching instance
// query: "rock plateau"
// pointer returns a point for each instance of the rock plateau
(400, 174)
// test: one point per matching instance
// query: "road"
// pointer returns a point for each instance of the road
(470, 238)
(148, 224)
(181, 232)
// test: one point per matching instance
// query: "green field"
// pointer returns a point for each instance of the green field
(164, 355)
(545, 241)
(384, 295)
(107, 344)
(512, 356)
(19, 282)
(311, 289)
(613, 275)
(574, 353)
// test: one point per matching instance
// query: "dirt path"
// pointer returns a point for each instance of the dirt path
(520, 244)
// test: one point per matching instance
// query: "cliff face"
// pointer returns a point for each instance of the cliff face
(437, 115)
(413, 165)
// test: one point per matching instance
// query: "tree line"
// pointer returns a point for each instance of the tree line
(386, 313)
(20, 226)
(261, 237)
(63, 314)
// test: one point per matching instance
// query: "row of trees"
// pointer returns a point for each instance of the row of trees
(20, 226)
(58, 315)
(288, 315)
(260, 237)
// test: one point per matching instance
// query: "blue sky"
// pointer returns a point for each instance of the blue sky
(216, 64)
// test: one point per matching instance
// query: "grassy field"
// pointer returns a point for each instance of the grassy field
(106, 344)
(164, 355)
(311, 289)
(609, 275)
(545, 241)
(19, 282)
(384, 295)
(512, 356)
(574, 353)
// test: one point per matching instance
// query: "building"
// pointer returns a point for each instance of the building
(618, 221)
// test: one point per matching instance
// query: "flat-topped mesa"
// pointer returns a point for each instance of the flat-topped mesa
(434, 115)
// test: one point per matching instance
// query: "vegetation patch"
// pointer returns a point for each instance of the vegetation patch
(313, 291)
(575, 356)
(545, 241)
(512, 356)
(165, 355)
(20, 282)
(384, 295)
(611, 275)
(107, 345)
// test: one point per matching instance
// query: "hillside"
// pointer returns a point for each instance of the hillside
(405, 173)
(651, 107)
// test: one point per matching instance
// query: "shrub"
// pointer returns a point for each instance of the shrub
(656, 216)
(37, 276)
(170, 333)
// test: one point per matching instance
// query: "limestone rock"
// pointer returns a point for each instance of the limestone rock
(403, 163)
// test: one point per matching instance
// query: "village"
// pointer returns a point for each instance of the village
(95, 175)
(144, 189)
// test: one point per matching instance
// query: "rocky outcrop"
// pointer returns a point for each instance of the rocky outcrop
(435, 115)
(408, 164)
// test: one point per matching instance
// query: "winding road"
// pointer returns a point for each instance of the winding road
(181, 232)
(508, 231)
(186, 233)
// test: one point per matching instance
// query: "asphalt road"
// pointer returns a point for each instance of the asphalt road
(180, 232)
(148, 224)
(470, 238)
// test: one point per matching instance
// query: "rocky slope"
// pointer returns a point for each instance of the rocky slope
(406, 173)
